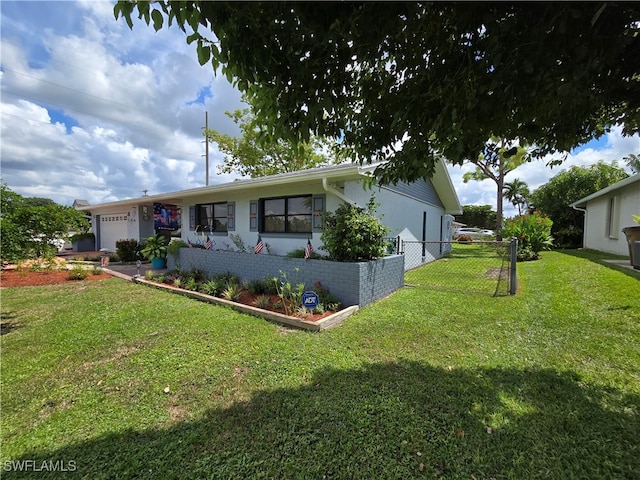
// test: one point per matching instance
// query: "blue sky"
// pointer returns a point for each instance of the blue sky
(93, 110)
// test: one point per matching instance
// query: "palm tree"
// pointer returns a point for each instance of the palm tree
(633, 162)
(517, 192)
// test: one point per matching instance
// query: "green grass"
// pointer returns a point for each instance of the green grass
(424, 384)
(478, 267)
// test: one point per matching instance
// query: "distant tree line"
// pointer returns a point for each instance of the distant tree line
(481, 216)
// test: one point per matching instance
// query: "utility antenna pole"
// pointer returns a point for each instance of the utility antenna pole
(206, 148)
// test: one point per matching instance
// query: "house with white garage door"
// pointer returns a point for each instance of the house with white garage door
(285, 210)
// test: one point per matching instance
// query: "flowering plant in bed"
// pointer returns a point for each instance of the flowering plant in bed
(275, 294)
(533, 232)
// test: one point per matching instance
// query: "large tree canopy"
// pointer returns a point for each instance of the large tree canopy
(248, 156)
(413, 81)
(30, 226)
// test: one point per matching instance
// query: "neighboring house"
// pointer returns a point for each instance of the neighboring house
(285, 210)
(607, 212)
(457, 226)
(77, 203)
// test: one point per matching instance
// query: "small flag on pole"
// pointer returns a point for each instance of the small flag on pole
(308, 249)
(259, 246)
(209, 243)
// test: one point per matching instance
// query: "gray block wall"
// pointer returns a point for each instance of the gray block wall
(359, 283)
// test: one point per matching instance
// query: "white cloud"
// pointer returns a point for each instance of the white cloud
(94, 110)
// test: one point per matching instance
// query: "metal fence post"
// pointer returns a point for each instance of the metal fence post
(513, 271)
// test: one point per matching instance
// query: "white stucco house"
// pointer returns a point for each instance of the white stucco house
(607, 212)
(285, 210)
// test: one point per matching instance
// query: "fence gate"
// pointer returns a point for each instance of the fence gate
(481, 267)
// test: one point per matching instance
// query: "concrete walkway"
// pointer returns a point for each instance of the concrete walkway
(129, 271)
(126, 271)
(622, 263)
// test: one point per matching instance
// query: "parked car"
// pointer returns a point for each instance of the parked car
(475, 233)
(472, 232)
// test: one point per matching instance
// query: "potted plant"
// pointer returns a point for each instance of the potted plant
(155, 249)
(633, 235)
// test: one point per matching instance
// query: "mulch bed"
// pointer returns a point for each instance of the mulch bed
(248, 299)
(22, 278)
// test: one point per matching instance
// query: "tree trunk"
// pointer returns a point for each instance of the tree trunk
(500, 183)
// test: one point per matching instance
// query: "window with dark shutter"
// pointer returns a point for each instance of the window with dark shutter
(231, 216)
(287, 214)
(212, 217)
(253, 216)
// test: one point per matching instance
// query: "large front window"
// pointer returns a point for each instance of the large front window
(287, 215)
(212, 217)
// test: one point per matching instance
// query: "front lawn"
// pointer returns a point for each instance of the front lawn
(116, 380)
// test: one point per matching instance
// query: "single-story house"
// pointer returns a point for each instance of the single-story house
(607, 212)
(285, 210)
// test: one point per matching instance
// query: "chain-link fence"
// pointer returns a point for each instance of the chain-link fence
(482, 267)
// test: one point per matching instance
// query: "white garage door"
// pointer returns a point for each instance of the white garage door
(113, 227)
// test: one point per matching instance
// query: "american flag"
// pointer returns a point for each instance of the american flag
(209, 243)
(259, 246)
(308, 249)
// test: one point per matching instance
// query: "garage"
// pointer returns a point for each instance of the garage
(113, 227)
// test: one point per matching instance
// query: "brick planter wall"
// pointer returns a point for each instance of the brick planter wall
(358, 283)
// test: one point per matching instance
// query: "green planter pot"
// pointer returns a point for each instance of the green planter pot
(158, 263)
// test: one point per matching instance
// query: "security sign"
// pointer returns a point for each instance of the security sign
(310, 300)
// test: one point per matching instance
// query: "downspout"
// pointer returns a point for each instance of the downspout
(328, 188)
(584, 224)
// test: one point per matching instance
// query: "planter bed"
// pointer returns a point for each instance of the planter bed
(324, 323)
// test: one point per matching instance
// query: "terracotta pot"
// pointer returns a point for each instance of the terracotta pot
(633, 235)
